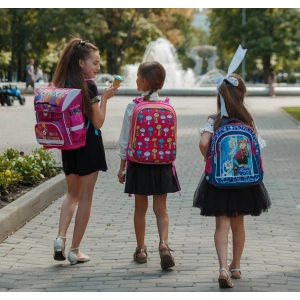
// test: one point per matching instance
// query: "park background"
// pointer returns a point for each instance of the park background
(271, 36)
(271, 257)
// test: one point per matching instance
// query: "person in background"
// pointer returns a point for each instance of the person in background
(272, 80)
(29, 76)
(39, 74)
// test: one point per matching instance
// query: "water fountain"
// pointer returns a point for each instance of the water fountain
(178, 81)
(190, 82)
(164, 52)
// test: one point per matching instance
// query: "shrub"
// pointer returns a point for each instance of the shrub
(19, 169)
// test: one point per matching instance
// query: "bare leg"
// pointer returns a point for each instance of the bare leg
(24, 91)
(85, 197)
(221, 241)
(162, 218)
(238, 241)
(69, 204)
(140, 210)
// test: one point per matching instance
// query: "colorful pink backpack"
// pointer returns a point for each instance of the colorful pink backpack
(153, 132)
(60, 118)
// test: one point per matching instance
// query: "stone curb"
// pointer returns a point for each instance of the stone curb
(209, 90)
(16, 214)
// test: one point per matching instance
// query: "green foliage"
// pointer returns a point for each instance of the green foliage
(121, 34)
(19, 169)
(270, 34)
(9, 180)
(294, 111)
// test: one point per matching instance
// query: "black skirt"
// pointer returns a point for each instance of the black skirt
(213, 201)
(150, 179)
(88, 159)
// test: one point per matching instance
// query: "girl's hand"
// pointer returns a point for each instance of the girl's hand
(121, 176)
(109, 92)
(205, 159)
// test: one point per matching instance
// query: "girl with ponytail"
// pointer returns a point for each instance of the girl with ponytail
(78, 65)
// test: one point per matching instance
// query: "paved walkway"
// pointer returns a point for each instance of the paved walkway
(271, 259)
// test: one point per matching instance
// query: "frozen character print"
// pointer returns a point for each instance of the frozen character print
(240, 159)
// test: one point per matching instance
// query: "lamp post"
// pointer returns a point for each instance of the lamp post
(243, 40)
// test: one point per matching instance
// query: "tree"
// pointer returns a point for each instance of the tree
(269, 33)
(121, 34)
(124, 29)
(176, 26)
(129, 31)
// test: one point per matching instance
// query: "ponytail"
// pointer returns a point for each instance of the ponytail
(155, 75)
(68, 68)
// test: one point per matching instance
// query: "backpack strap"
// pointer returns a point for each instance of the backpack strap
(174, 174)
(89, 121)
(95, 130)
(231, 120)
(68, 83)
(138, 100)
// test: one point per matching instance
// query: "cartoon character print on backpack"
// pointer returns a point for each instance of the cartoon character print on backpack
(234, 160)
(153, 132)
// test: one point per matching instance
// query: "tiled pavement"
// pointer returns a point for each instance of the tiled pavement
(271, 259)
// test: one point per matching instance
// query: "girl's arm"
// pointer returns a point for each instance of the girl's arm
(121, 174)
(204, 144)
(99, 111)
(123, 141)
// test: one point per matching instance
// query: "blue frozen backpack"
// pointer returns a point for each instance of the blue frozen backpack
(234, 156)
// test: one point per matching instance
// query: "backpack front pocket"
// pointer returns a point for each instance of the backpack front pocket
(49, 134)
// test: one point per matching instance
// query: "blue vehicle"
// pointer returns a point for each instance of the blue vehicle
(9, 93)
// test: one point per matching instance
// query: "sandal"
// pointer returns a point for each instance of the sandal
(166, 259)
(140, 260)
(235, 270)
(225, 282)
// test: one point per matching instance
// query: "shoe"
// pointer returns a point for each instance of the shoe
(225, 282)
(73, 258)
(59, 248)
(140, 260)
(235, 270)
(166, 259)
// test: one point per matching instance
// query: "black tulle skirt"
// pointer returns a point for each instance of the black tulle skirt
(213, 201)
(150, 179)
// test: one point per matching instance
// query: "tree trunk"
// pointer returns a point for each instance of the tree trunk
(20, 72)
(267, 67)
(113, 67)
(13, 46)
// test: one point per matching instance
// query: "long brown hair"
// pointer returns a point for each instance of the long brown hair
(154, 73)
(68, 68)
(234, 102)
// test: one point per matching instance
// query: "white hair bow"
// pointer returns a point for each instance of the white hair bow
(235, 62)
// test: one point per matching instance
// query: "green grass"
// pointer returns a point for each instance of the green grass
(293, 111)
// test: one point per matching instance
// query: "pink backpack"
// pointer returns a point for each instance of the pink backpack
(153, 132)
(60, 119)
